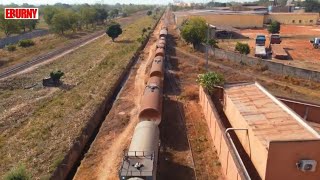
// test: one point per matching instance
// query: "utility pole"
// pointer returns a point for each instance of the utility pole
(207, 48)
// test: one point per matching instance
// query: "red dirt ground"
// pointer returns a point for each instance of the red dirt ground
(295, 40)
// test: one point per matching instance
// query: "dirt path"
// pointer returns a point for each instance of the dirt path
(106, 152)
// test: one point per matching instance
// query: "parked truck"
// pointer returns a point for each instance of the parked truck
(315, 42)
(260, 50)
(275, 39)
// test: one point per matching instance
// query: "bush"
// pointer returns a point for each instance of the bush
(11, 48)
(56, 75)
(149, 13)
(26, 43)
(17, 173)
(141, 39)
(213, 43)
(209, 80)
(243, 48)
(274, 27)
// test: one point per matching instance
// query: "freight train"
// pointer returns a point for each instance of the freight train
(141, 159)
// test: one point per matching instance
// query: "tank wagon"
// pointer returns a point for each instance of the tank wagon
(140, 161)
(157, 67)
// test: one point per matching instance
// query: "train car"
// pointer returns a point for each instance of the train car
(151, 102)
(160, 52)
(161, 43)
(157, 67)
(163, 33)
(140, 162)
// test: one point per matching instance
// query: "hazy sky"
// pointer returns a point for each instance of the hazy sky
(105, 1)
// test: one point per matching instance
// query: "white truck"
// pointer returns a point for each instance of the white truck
(260, 50)
(315, 42)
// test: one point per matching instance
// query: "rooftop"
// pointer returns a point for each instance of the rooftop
(266, 116)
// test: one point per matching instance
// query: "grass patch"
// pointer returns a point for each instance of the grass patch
(17, 173)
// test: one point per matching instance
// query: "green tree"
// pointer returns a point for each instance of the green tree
(194, 31)
(101, 14)
(8, 26)
(48, 14)
(114, 13)
(243, 48)
(27, 23)
(114, 30)
(274, 27)
(210, 80)
(88, 15)
(64, 20)
(149, 13)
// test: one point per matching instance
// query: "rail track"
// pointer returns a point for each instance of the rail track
(174, 87)
(42, 58)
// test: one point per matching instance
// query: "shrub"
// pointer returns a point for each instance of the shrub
(243, 48)
(149, 13)
(209, 80)
(26, 43)
(11, 48)
(141, 39)
(17, 173)
(274, 27)
(213, 43)
(56, 75)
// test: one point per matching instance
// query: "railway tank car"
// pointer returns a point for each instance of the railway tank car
(151, 102)
(157, 67)
(140, 162)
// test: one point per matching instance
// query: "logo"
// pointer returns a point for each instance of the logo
(21, 13)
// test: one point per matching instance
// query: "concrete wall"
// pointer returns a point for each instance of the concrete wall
(232, 20)
(229, 163)
(293, 18)
(28, 35)
(283, 156)
(275, 67)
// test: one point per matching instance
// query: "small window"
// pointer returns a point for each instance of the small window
(293, 21)
(311, 21)
(300, 21)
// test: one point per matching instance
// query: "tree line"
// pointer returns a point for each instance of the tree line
(64, 17)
